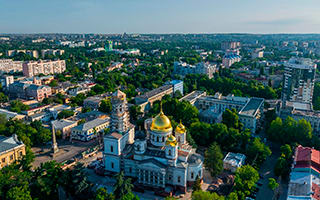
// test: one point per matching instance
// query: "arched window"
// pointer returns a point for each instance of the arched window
(111, 148)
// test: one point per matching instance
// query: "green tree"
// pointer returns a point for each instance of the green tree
(130, 196)
(105, 106)
(231, 119)
(122, 187)
(232, 196)
(19, 193)
(202, 195)
(273, 184)
(258, 152)
(197, 185)
(102, 194)
(276, 129)
(214, 160)
(18, 106)
(65, 114)
(47, 178)
(245, 179)
(286, 151)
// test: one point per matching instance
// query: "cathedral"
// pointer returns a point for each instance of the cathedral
(161, 157)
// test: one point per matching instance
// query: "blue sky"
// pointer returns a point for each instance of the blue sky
(159, 16)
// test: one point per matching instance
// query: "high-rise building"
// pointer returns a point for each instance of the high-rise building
(33, 68)
(298, 80)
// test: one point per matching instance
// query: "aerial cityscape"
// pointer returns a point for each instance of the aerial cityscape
(159, 100)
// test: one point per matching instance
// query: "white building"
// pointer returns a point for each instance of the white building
(89, 130)
(156, 160)
(249, 109)
(183, 69)
(233, 161)
(8, 65)
(298, 80)
(230, 59)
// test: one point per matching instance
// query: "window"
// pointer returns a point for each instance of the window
(192, 175)
(111, 148)
(157, 138)
(11, 157)
(112, 165)
(20, 153)
(170, 177)
(130, 170)
(169, 152)
(3, 160)
(162, 139)
(179, 179)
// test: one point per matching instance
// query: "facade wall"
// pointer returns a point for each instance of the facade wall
(11, 156)
(33, 68)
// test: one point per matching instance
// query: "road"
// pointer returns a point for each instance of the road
(266, 171)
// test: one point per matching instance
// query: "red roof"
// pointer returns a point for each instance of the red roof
(306, 157)
(183, 153)
(316, 191)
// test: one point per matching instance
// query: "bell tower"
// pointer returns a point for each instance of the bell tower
(181, 133)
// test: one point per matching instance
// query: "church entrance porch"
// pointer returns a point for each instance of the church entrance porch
(153, 178)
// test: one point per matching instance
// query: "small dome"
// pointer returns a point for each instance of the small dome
(180, 128)
(171, 140)
(161, 123)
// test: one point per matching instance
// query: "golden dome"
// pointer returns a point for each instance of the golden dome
(171, 140)
(161, 123)
(180, 128)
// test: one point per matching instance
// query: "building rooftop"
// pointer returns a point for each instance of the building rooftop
(9, 143)
(252, 107)
(154, 92)
(234, 159)
(92, 124)
(306, 157)
(193, 96)
(10, 114)
(59, 124)
(301, 63)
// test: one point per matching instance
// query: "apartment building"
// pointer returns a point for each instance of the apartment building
(229, 59)
(33, 53)
(230, 45)
(8, 65)
(182, 68)
(46, 67)
(298, 80)
(53, 52)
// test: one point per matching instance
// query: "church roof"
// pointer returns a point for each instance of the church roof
(114, 135)
(153, 161)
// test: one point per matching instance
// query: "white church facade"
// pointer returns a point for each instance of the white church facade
(160, 158)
